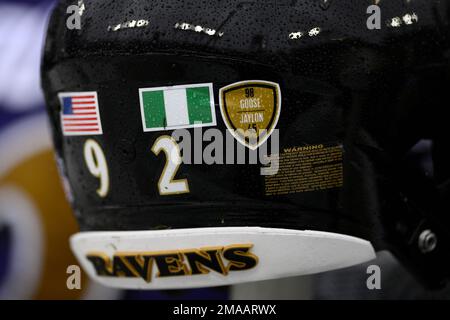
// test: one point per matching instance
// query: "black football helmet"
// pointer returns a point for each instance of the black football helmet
(352, 116)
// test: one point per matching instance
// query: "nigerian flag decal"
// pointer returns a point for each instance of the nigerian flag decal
(186, 106)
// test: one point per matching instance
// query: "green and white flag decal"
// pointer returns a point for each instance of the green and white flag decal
(186, 106)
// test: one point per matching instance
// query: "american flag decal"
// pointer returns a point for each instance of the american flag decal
(80, 114)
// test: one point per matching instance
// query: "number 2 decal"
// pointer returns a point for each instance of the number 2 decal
(166, 184)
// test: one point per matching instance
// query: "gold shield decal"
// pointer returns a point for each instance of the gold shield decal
(250, 110)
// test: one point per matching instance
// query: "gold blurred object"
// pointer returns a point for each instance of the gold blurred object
(34, 207)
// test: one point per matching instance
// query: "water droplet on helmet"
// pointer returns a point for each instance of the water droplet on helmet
(325, 4)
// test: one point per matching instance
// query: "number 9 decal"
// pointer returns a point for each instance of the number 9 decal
(96, 163)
